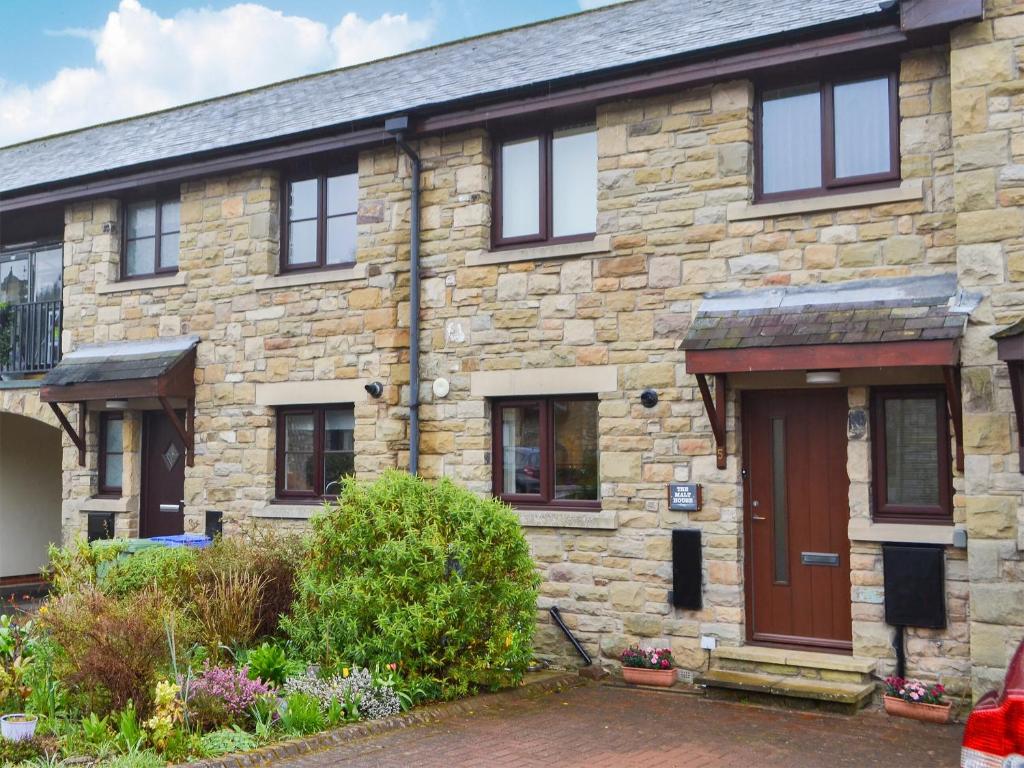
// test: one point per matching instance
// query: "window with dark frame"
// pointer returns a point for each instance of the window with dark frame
(546, 452)
(151, 239)
(319, 222)
(817, 137)
(315, 449)
(912, 462)
(545, 187)
(111, 453)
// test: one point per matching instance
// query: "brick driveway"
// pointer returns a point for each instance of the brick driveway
(607, 727)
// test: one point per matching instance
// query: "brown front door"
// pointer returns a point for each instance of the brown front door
(796, 514)
(163, 477)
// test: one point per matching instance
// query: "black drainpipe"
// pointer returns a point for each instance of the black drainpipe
(397, 127)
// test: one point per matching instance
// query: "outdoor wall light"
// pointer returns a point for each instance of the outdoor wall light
(648, 398)
(374, 389)
(116, 405)
(823, 377)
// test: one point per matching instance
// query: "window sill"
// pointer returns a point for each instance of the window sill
(902, 533)
(287, 510)
(911, 189)
(107, 504)
(598, 246)
(146, 284)
(315, 277)
(607, 520)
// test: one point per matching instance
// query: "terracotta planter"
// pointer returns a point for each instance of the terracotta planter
(663, 678)
(927, 713)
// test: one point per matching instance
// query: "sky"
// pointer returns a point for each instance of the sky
(66, 64)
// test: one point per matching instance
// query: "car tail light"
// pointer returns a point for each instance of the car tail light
(994, 733)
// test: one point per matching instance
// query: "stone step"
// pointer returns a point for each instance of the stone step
(788, 690)
(830, 667)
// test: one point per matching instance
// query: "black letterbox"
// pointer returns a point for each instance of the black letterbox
(915, 585)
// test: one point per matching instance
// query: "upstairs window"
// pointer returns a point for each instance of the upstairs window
(320, 222)
(912, 475)
(818, 137)
(545, 187)
(546, 452)
(315, 449)
(152, 233)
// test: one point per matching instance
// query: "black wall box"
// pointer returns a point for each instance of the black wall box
(915, 585)
(687, 570)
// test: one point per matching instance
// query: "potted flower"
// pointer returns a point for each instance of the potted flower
(648, 666)
(916, 700)
(18, 727)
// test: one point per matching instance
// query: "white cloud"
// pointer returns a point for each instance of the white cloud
(145, 62)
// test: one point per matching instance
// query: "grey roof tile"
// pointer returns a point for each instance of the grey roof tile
(605, 39)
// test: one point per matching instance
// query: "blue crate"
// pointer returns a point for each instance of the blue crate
(194, 540)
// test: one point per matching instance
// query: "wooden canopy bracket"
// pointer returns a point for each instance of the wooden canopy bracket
(185, 431)
(1016, 368)
(954, 400)
(716, 413)
(77, 436)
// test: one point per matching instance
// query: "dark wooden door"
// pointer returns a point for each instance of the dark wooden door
(163, 477)
(796, 510)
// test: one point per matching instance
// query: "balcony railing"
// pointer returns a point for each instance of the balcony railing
(35, 338)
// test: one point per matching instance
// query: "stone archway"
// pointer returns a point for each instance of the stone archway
(31, 457)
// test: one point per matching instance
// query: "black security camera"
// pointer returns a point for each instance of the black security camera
(374, 389)
(649, 398)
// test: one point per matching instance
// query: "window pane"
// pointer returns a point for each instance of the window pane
(576, 452)
(14, 280)
(141, 257)
(862, 127)
(574, 169)
(338, 429)
(520, 440)
(780, 512)
(336, 466)
(911, 452)
(302, 242)
(298, 472)
(791, 139)
(141, 220)
(342, 194)
(170, 217)
(298, 432)
(49, 266)
(520, 188)
(169, 246)
(302, 200)
(113, 468)
(341, 239)
(114, 434)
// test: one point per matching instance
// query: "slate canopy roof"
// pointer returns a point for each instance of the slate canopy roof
(605, 40)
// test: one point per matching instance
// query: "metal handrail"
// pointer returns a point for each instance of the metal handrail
(35, 337)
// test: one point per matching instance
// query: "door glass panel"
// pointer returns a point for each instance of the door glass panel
(576, 449)
(14, 287)
(48, 268)
(780, 515)
(574, 182)
(791, 139)
(862, 127)
(113, 469)
(520, 188)
(911, 452)
(520, 439)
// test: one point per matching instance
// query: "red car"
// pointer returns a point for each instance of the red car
(994, 736)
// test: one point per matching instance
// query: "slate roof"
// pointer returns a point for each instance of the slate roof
(605, 39)
(120, 361)
(911, 309)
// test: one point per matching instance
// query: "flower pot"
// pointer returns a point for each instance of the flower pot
(663, 678)
(18, 727)
(927, 713)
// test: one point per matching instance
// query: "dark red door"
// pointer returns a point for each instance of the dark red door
(163, 477)
(797, 510)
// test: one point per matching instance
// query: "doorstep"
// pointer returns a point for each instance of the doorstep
(788, 690)
(792, 661)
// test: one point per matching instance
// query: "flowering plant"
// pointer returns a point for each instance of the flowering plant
(647, 658)
(915, 691)
(168, 712)
(223, 695)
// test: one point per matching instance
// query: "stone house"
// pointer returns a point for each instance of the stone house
(711, 303)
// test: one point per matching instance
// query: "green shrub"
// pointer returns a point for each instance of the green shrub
(302, 715)
(429, 576)
(13, 752)
(271, 664)
(227, 741)
(76, 566)
(171, 569)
